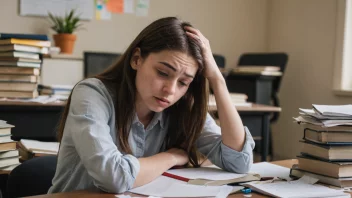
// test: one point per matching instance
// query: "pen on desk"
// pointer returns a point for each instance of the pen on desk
(246, 190)
(175, 177)
(266, 178)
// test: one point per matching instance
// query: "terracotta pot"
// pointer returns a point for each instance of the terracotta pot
(65, 42)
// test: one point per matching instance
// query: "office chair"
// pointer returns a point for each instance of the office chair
(97, 62)
(220, 60)
(32, 177)
(267, 59)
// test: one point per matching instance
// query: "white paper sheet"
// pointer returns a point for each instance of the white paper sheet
(128, 6)
(168, 187)
(296, 188)
(34, 145)
(265, 169)
(142, 7)
(209, 173)
(334, 110)
(57, 7)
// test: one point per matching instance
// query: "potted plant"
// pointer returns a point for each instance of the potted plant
(65, 27)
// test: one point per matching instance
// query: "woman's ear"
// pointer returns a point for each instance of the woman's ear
(136, 59)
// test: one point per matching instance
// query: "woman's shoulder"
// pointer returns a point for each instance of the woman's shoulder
(91, 82)
(90, 87)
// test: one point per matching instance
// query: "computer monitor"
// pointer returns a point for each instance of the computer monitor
(97, 62)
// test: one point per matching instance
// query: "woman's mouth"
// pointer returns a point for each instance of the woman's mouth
(162, 101)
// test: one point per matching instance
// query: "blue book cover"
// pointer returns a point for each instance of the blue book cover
(41, 37)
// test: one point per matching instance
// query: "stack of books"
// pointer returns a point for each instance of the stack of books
(258, 70)
(9, 155)
(56, 90)
(34, 148)
(327, 144)
(238, 99)
(20, 63)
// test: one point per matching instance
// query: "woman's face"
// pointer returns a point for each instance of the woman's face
(162, 78)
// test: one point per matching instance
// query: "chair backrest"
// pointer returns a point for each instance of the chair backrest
(32, 177)
(267, 59)
(264, 59)
(220, 60)
(97, 62)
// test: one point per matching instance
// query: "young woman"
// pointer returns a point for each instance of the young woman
(148, 113)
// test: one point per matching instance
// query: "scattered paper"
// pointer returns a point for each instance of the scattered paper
(142, 7)
(316, 115)
(265, 169)
(334, 110)
(168, 187)
(296, 188)
(323, 123)
(43, 99)
(308, 180)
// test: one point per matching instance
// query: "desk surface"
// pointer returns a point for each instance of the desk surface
(253, 108)
(85, 194)
(14, 103)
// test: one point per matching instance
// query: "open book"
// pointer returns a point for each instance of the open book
(209, 176)
(39, 146)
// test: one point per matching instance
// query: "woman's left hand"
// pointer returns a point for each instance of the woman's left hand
(211, 69)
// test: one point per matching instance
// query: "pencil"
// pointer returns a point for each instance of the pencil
(175, 177)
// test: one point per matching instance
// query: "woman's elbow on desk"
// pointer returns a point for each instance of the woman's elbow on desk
(120, 178)
(239, 162)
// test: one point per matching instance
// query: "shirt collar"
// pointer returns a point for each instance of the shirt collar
(159, 117)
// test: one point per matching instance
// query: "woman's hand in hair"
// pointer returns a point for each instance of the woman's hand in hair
(212, 71)
(178, 156)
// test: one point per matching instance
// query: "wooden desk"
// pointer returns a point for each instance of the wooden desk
(39, 121)
(32, 120)
(86, 194)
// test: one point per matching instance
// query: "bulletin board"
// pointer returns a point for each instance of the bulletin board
(85, 8)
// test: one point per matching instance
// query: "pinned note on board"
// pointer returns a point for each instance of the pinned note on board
(101, 11)
(142, 7)
(115, 6)
(104, 8)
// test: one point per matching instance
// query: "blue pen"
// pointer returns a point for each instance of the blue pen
(246, 190)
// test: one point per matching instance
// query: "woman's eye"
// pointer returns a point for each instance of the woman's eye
(162, 73)
(182, 83)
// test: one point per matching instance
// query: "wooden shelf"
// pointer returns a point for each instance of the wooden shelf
(63, 57)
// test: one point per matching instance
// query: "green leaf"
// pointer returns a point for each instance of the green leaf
(67, 24)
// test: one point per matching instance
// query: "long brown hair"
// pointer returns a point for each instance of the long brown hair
(187, 116)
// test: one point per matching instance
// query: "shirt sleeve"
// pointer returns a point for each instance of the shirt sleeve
(87, 123)
(210, 144)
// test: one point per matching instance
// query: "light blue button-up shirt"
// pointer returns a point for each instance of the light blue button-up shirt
(90, 158)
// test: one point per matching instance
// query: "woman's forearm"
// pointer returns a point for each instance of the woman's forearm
(153, 166)
(232, 130)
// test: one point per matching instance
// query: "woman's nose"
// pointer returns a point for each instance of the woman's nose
(170, 87)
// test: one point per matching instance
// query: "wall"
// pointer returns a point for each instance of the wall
(232, 26)
(306, 30)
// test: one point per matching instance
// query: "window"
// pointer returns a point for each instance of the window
(343, 54)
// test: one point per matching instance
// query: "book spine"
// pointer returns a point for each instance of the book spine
(41, 37)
